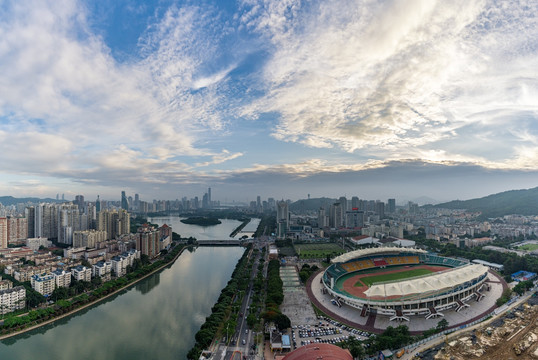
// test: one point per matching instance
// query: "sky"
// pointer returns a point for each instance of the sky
(277, 98)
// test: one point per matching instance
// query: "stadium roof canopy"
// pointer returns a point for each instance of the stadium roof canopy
(373, 251)
(431, 283)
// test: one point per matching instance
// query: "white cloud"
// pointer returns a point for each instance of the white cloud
(396, 77)
(65, 101)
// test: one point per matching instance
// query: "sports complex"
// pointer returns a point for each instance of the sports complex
(404, 285)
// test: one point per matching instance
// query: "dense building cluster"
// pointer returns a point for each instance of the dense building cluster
(96, 241)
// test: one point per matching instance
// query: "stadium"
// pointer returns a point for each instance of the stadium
(400, 283)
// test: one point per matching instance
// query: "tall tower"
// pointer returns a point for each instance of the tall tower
(391, 206)
(79, 200)
(137, 202)
(209, 196)
(124, 202)
(282, 218)
(3, 232)
(30, 216)
(97, 204)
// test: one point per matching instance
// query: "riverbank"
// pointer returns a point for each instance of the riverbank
(201, 221)
(239, 228)
(97, 301)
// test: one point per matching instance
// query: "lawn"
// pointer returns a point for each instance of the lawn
(529, 247)
(369, 280)
(318, 251)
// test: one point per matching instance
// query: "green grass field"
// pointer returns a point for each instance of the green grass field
(529, 247)
(392, 277)
(318, 251)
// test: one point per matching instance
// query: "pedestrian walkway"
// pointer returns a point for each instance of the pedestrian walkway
(296, 305)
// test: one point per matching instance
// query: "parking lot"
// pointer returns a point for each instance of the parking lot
(326, 331)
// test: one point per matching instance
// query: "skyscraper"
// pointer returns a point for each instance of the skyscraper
(282, 218)
(124, 202)
(3, 233)
(30, 215)
(391, 207)
(79, 200)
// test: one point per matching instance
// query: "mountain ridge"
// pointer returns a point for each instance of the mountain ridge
(522, 202)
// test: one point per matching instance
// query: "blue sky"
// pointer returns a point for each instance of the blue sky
(275, 98)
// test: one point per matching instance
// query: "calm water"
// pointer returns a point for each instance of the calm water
(217, 232)
(155, 319)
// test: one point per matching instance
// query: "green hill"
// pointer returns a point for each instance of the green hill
(10, 200)
(522, 202)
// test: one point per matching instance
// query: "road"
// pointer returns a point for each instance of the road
(244, 338)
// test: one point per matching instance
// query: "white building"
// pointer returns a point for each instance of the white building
(101, 268)
(81, 273)
(12, 299)
(43, 283)
(62, 278)
(119, 265)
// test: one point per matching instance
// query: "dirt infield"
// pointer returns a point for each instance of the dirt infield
(352, 289)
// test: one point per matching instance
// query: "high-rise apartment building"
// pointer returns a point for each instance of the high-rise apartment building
(30, 217)
(136, 202)
(322, 218)
(391, 206)
(17, 228)
(354, 218)
(343, 204)
(70, 219)
(79, 201)
(336, 215)
(46, 221)
(113, 222)
(380, 209)
(147, 240)
(3, 233)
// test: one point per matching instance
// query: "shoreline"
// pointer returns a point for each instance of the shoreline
(96, 302)
(240, 227)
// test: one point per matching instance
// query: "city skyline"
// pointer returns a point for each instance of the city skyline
(272, 98)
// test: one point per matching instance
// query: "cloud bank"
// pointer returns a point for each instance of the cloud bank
(348, 86)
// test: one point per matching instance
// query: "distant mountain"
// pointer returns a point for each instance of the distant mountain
(10, 200)
(523, 202)
(311, 204)
(422, 200)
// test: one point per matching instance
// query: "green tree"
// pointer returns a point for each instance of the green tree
(282, 322)
(354, 346)
(251, 320)
(523, 286)
(60, 293)
(442, 324)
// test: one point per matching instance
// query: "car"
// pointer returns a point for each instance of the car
(246, 331)
(244, 341)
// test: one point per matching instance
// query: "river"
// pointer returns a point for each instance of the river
(215, 232)
(154, 319)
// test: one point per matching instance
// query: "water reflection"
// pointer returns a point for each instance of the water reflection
(145, 286)
(158, 320)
